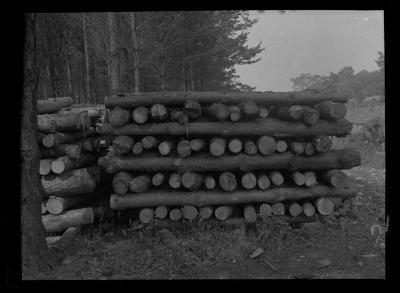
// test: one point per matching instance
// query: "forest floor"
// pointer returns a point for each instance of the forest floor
(350, 244)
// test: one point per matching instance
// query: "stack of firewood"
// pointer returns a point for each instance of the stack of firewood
(69, 148)
(200, 155)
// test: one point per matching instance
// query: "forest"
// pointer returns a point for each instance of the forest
(356, 85)
(88, 56)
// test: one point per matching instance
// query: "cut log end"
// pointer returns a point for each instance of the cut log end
(206, 212)
(295, 209)
(278, 209)
(146, 215)
(190, 212)
(175, 214)
(265, 210)
(223, 212)
(217, 146)
(263, 182)
(308, 209)
(249, 180)
(266, 145)
(235, 145)
(45, 166)
(324, 206)
(250, 214)
(161, 212)
(227, 181)
(276, 178)
(281, 146)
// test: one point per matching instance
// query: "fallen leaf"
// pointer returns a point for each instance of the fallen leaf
(257, 252)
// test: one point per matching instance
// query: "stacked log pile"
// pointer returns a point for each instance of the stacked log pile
(70, 148)
(203, 155)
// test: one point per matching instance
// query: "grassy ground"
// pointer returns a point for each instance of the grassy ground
(350, 244)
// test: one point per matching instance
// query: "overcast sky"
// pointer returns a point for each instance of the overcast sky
(317, 42)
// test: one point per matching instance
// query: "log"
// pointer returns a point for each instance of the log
(249, 180)
(183, 149)
(295, 209)
(276, 178)
(53, 105)
(338, 159)
(45, 166)
(166, 147)
(72, 218)
(122, 144)
(263, 182)
(223, 212)
(158, 179)
(191, 180)
(137, 148)
(248, 108)
(250, 214)
(190, 212)
(94, 111)
(310, 116)
(308, 209)
(192, 109)
(309, 149)
(263, 112)
(250, 148)
(63, 164)
(219, 111)
(197, 144)
(179, 116)
(336, 178)
(234, 113)
(306, 97)
(281, 146)
(140, 184)
(205, 198)
(209, 182)
(65, 240)
(55, 139)
(73, 151)
(266, 145)
(161, 212)
(311, 178)
(331, 111)
(322, 143)
(63, 122)
(121, 182)
(298, 178)
(206, 212)
(96, 144)
(159, 112)
(175, 214)
(175, 180)
(57, 205)
(71, 183)
(140, 115)
(235, 145)
(297, 147)
(217, 146)
(291, 113)
(265, 210)
(119, 117)
(324, 206)
(267, 126)
(146, 215)
(227, 181)
(44, 210)
(149, 142)
(278, 209)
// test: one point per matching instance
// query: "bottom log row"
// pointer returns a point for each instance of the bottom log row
(249, 212)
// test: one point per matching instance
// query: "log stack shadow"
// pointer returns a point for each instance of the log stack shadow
(215, 156)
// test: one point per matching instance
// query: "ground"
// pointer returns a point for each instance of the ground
(349, 244)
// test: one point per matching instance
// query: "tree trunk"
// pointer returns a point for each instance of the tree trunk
(137, 148)
(297, 147)
(308, 209)
(310, 116)
(291, 113)
(159, 112)
(209, 182)
(179, 116)
(278, 209)
(192, 109)
(336, 178)
(135, 51)
(309, 149)
(311, 178)
(149, 142)
(324, 206)
(35, 255)
(338, 159)
(298, 178)
(197, 144)
(85, 46)
(53, 105)
(228, 98)
(263, 112)
(114, 55)
(206, 212)
(268, 126)
(58, 138)
(322, 143)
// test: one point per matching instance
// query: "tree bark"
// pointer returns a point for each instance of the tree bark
(268, 126)
(71, 183)
(114, 54)
(229, 98)
(338, 159)
(35, 254)
(135, 51)
(72, 218)
(55, 139)
(86, 52)
(53, 105)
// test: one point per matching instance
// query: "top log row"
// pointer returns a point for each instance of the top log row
(306, 97)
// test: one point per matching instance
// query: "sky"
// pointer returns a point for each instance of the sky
(317, 42)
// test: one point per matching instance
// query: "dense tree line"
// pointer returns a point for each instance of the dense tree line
(346, 81)
(90, 55)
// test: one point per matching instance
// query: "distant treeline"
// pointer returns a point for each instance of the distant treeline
(90, 55)
(360, 85)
